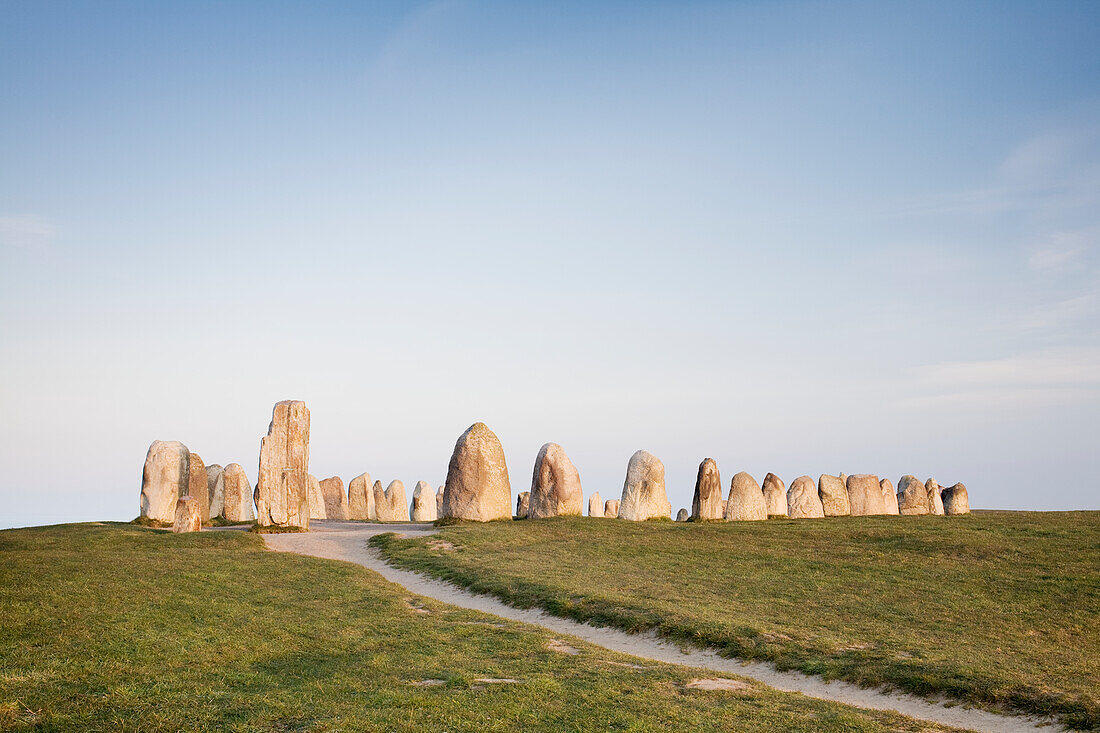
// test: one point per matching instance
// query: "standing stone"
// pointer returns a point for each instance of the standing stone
(956, 500)
(284, 467)
(197, 486)
(746, 500)
(889, 496)
(725, 504)
(935, 501)
(317, 509)
(439, 501)
(336, 501)
(477, 478)
(865, 495)
(834, 496)
(391, 505)
(912, 496)
(215, 488)
(707, 502)
(644, 494)
(596, 505)
(424, 505)
(610, 508)
(682, 515)
(188, 515)
(361, 497)
(803, 501)
(523, 504)
(164, 479)
(555, 485)
(775, 496)
(238, 495)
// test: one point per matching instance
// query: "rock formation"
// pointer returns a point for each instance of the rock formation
(834, 496)
(555, 485)
(361, 497)
(477, 478)
(610, 509)
(391, 505)
(956, 500)
(865, 495)
(775, 496)
(707, 502)
(423, 504)
(215, 489)
(725, 503)
(935, 501)
(803, 501)
(238, 495)
(889, 496)
(317, 508)
(644, 489)
(282, 488)
(164, 479)
(188, 514)
(336, 501)
(439, 501)
(523, 504)
(746, 500)
(912, 496)
(596, 505)
(682, 515)
(196, 485)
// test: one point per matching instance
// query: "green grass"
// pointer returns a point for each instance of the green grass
(121, 627)
(998, 608)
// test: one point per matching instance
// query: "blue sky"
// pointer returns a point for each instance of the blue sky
(795, 237)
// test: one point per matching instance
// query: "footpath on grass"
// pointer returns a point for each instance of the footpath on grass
(348, 541)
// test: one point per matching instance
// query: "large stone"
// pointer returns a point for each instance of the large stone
(197, 486)
(284, 449)
(707, 502)
(746, 500)
(834, 496)
(423, 504)
(555, 485)
(935, 500)
(164, 479)
(317, 508)
(682, 515)
(912, 496)
(610, 508)
(865, 495)
(336, 501)
(238, 495)
(889, 496)
(477, 478)
(439, 501)
(803, 501)
(215, 488)
(775, 496)
(523, 504)
(596, 505)
(361, 497)
(956, 500)
(725, 503)
(644, 494)
(188, 514)
(391, 504)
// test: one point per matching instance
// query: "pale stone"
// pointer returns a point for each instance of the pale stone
(523, 504)
(935, 501)
(317, 508)
(361, 497)
(391, 505)
(865, 495)
(424, 508)
(956, 500)
(215, 488)
(746, 500)
(555, 485)
(439, 501)
(188, 514)
(164, 479)
(336, 501)
(238, 494)
(477, 478)
(803, 501)
(775, 496)
(284, 466)
(197, 486)
(889, 496)
(725, 503)
(682, 515)
(596, 505)
(644, 494)
(707, 501)
(834, 496)
(610, 508)
(912, 496)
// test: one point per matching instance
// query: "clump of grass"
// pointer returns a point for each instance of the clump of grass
(150, 522)
(223, 522)
(275, 529)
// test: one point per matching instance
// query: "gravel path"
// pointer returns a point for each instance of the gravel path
(348, 541)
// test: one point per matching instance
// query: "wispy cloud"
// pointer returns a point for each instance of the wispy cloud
(25, 231)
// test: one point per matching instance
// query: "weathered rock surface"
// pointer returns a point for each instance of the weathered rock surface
(596, 505)
(317, 508)
(336, 501)
(610, 509)
(477, 478)
(834, 496)
(523, 504)
(889, 496)
(865, 495)
(644, 494)
(725, 504)
(555, 485)
(238, 494)
(196, 485)
(803, 501)
(188, 515)
(707, 501)
(956, 500)
(423, 504)
(439, 501)
(164, 479)
(775, 496)
(912, 496)
(215, 489)
(361, 497)
(391, 504)
(282, 487)
(935, 500)
(682, 515)
(746, 500)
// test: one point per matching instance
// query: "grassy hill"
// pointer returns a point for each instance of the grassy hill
(998, 608)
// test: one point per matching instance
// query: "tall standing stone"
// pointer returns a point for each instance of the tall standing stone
(423, 504)
(596, 505)
(707, 502)
(215, 487)
(477, 478)
(644, 494)
(746, 500)
(439, 501)
(317, 508)
(555, 485)
(391, 504)
(889, 496)
(935, 501)
(336, 501)
(523, 505)
(188, 514)
(803, 501)
(834, 496)
(282, 488)
(865, 495)
(164, 479)
(956, 500)
(197, 486)
(610, 508)
(775, 496)
(912, 496)
(361, 497)
(238, 495)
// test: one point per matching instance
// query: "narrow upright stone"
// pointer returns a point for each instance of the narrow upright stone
(803, 501)
(423, 504)
(197, 486)
(865, 495)
(439, 501)
(889, 496)
(596, 505)
(164, 479)
(317, 508)
(361, 497)
(746, 500)
(477, 478)
(523, 505)
(610, 508)
(215, 488)
(834, 496)
(706, 504)
(555, 485)
(188, 515)
(935, 501)
(284, 449)
(775, 496)
(644, 494)
(956, 500)
(912, 496)
(391, 505)
(238, 495)
(336, 501)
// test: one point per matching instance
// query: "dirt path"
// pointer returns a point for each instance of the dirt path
(348, 541)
